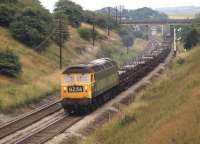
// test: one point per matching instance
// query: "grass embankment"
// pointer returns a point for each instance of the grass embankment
(40, 71)
(166, 113)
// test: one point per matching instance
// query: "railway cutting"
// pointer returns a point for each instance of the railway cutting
(128, 74)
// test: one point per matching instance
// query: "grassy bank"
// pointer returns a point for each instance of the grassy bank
(166, 113)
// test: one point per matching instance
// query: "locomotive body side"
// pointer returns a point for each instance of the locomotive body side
(105, 80)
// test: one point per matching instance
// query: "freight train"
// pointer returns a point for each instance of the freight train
(87, 86)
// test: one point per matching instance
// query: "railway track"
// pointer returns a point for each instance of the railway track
(28, 119)
(49, 132)
(130, 72)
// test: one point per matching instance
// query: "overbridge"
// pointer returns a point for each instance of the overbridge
(172, 23)
(158, 22)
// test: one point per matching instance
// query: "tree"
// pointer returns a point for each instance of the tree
(89, 16)
(101, 20)
(196, 23)
(30, 3)
(8, 1)
(32, 27)
(128, 41)
(7, 13)
(190, 34)
(138, 14)
(147, 13)
(191, 39)
(73, 12)
(127, 35)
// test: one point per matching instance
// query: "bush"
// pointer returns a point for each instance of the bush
(9, 64)
(87, 34)
(180, 61)
(127, 119)
(32, 27)
(191, 39)
(7, 13)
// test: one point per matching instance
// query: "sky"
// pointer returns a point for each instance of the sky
(129, 4)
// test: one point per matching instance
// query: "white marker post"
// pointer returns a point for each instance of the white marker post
(175, 48)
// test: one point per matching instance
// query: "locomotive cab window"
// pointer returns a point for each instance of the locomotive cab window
(69, 78)
(84, 78)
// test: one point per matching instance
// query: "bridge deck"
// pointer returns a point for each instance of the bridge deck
(167, 21)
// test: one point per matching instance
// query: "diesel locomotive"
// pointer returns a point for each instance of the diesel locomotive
(88, 85)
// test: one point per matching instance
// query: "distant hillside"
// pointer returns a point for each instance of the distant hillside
(138, 14)
(188, 10)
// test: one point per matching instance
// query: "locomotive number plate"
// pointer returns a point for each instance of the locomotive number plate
(73, 89)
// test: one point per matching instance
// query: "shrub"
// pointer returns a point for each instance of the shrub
(191, 39)
(32, 27)
(127, 119)
(9, 64)
(180, 61)
(87, 34)
(7, 13)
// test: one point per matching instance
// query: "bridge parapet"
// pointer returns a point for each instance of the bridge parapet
(158, 22)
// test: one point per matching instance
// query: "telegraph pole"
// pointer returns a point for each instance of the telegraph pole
(59, 32)
(147, 32)
(109, 11)
(93, 31)
(120, 15)
(60, 40)
(116, 12)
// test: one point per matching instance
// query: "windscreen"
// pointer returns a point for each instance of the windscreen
(69, 78)
(79, 78)
(83, 78)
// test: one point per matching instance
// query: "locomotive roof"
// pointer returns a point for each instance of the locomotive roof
(94, 66)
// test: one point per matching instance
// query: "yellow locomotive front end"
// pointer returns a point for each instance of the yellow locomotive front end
(76, 86)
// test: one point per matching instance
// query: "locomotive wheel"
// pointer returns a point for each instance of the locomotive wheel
(87, 109)
(94, 105)
(100, 101)
(68, 111)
